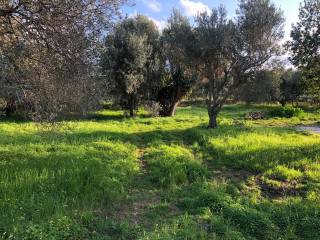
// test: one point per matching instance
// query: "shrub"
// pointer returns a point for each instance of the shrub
(286, 112)
(153, 108)
(57, 228)
(173, 165)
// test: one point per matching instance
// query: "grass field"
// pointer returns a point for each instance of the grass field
(109, 177)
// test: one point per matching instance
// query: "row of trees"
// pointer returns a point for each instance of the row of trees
(55, 60)
(273, 84)
(222, 54)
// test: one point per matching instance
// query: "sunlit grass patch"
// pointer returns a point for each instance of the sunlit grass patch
(283, 173)
(173, 165)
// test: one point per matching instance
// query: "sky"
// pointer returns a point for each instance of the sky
(159, 10)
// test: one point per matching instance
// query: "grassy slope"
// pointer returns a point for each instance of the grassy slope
(160, 178)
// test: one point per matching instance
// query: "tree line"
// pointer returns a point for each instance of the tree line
(59, 57)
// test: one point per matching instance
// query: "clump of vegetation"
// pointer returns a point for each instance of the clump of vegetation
(284, 174)
(313, 172)
(286, 112)
(173, 165)
(255, 115)
(182, 228)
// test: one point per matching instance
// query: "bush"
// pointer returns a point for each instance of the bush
(286, 112)
(173, 165)
(57, 228)
(153, 108)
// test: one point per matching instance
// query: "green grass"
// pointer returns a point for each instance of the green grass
(110, 177)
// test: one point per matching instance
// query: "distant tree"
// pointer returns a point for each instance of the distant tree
(291, 87)
(128, 58)
(231, 52)
(178, 75)
(264, 86)
(305, 45)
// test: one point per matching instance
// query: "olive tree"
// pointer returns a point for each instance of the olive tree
(305, 45)
(48, 53)
(230, 52)
(291, 87)
(127, 60)
(178, 75)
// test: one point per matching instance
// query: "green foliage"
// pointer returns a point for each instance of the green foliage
(286, 112)
(58, 228)
(126, 62)
(173, 165)
(229, 52)
(177, 71)
(264, 87)
(291, 87)
(305, 44)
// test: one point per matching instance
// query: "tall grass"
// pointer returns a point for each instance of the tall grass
(109, 177)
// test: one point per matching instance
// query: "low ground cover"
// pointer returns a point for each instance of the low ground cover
(110, 177)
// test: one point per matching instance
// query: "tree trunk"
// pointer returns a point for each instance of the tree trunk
(213, 121)
(131, 112)
(169, 99)
(213, 111)
(170, 111)
(9, 110)
(131, 106)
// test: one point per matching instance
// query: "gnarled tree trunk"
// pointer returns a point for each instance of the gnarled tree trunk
(169, 99)
(169, 110)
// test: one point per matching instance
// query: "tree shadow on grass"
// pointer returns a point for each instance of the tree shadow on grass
(197, 138)
(72, 162)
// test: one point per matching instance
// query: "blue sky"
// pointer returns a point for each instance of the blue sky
(159, 10)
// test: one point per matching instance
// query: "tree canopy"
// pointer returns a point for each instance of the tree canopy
(48, 54)
(305, 45)
(230, 52)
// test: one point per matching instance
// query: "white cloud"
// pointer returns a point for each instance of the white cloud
(193, 8)
(154, 5)
(161, 24)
